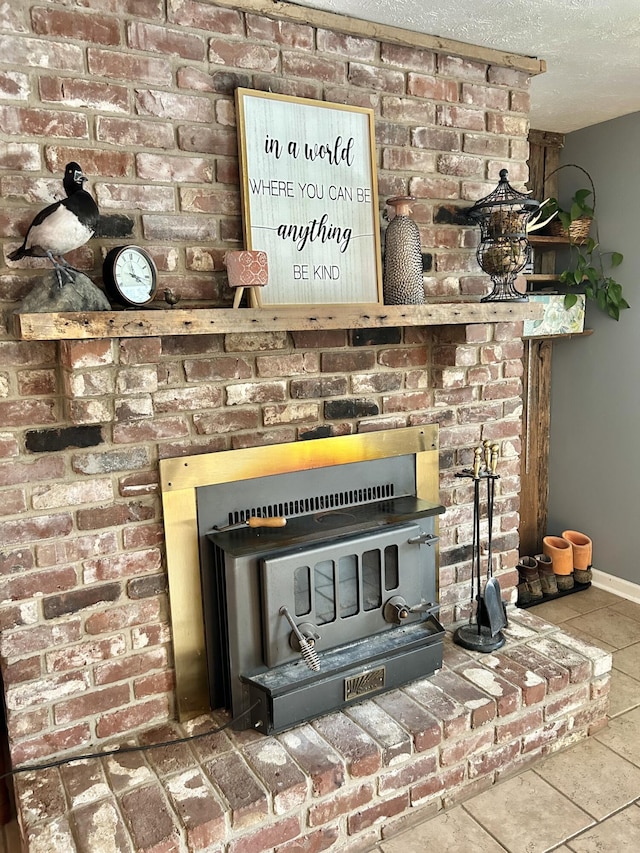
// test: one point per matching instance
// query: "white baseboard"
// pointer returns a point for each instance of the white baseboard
(618, 586)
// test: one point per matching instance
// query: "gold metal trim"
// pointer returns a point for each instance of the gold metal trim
(179, 479)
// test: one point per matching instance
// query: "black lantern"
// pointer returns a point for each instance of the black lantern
(504, 249)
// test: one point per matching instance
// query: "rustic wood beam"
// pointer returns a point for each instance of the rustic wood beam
(369, 29)
(207, 321)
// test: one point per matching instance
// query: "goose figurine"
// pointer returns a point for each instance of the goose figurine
(63, 226)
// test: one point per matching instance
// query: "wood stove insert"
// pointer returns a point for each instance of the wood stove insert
(339, 604)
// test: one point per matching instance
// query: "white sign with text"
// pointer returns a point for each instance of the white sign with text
(309, 197)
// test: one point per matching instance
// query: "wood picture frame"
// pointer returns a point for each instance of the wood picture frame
(310, 198)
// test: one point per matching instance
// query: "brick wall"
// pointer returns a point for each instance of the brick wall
(141, 94)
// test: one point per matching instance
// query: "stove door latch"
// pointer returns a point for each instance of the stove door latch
(396, 609)
(303, 639)
(423, 539)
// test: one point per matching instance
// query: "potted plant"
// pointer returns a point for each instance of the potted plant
(589, 267)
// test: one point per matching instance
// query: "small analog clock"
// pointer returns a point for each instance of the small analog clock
(130, 275)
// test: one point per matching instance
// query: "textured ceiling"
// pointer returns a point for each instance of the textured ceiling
(591, 47)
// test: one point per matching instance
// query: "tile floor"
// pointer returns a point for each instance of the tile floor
(585, 799)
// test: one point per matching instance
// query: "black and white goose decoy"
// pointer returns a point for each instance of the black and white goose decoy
(63, 226)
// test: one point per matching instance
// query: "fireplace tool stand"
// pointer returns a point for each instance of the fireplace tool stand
(490, 613)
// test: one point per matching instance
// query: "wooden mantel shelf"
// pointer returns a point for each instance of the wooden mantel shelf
(206, 321)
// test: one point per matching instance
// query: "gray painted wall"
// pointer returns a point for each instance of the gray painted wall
(594, 476)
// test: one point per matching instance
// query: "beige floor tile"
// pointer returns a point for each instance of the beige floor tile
(627, 608)
(619, 833)
(592, 599)
(570, 628)
(622, 735)
(608, 625)
(593, 777)
(556, 611)
(452, 832)
(527, 815)
(628, 660)
(625, 693)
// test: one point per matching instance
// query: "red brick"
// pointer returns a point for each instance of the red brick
(26, 413)
(432, 88)
(246, 797)
(363, 818)
(506, 695)
(122, 566)
(35, 583)
(199, 809)
(279, 773)
(520, 726)
(157, 39)
(90, 820)
(287, 33)
(533, 686)
(313, 842)
(269, 836)
(482, 765)
(116, 618)
(85, 654)
(452, 752)
(360, 752)
(242, 55)
(343, 803)
(317, 759)
(129, 666)
(567, 702)
(160, 682)
(207, 18)
(421, 725)
(481, 706)
(413, 771)
(557, 677)
(37, 638)
(131, 717)
(146, 134)
(169, 760)
(101, 29)
(314, 68)
(151, 823)
(90, 703)
(51, 743)
(446, 780)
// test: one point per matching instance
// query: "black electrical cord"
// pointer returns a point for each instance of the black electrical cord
(47, 765)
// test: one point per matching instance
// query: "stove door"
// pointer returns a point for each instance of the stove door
(340, 591)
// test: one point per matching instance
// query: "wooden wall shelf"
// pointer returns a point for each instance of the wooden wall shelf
(206, 321)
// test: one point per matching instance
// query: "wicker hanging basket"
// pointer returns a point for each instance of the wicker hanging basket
(578, 231)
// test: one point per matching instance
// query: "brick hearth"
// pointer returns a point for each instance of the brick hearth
(344, 781)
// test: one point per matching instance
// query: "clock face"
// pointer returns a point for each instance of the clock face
(130, 275)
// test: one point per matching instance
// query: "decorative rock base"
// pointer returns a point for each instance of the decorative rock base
(343, 782)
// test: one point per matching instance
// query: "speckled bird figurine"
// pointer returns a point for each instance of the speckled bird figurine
(63, 226)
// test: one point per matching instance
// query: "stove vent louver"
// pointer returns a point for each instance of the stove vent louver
(316, 503)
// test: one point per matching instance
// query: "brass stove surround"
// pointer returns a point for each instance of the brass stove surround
(180, 479)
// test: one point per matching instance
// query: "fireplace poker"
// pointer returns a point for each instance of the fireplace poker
(254, 521)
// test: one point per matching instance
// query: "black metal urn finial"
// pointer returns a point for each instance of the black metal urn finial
(504, 249)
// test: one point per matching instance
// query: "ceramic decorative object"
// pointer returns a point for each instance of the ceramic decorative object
(582, 548)
(561, 553)
(403, 282)
(247, 269)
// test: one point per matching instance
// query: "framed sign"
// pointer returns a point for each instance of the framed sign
(309, 197)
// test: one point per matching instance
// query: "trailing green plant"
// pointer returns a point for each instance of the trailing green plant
(587, 271)
(589, 267)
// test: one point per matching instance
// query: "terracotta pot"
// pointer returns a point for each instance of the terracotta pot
(582, 548)
(561, 553)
